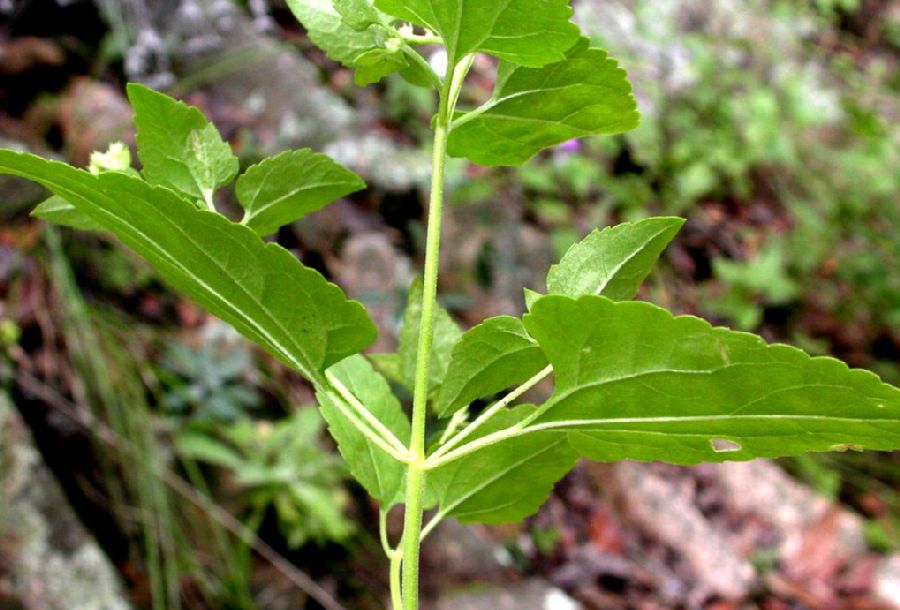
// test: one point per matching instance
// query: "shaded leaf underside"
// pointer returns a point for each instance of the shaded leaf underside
(635, 382)
(505, 482)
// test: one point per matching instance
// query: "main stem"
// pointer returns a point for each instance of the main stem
(416, 473)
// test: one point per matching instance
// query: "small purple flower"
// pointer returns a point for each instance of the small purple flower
(570, 148)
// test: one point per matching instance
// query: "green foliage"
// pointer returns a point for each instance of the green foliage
(631, 381)
(178, 147)
(280, 465)
(762, 280)
(446, 333)
(260, 289)
(57, 210)
(507, 481)
(701, 393)
(359, 36)
(613, 262)
(489, 358)
(535, 108)
(287, 187)
(208, 383)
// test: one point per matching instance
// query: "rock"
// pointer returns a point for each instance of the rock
(247, 80)
(459, 553)
(887, 581)
(93, 115)
(373, 272)
(47, 560)
(763, 489)
(531, 594)
(663, 509)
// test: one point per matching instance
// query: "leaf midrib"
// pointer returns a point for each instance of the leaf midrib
(307, 370)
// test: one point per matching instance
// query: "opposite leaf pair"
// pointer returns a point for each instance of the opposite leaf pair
(631, 382)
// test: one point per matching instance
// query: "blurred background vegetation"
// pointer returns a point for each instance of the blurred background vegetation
(199, 464)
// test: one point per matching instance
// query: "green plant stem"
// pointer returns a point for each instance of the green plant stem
(396, 567)
(416, 470)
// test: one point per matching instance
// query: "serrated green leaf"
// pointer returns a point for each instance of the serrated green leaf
(374, 65)
(531, 297)
(504, 482)
(59, 211)
(489, 358)
(635, 382)
(446, 335)
(525, 32)
(178, 147)
(288, 186)
(388, 365)
(535, 108)
(379, 473)
(358, 14)
(260, 289)
(613, 262)
(327, 30)
(345, 40)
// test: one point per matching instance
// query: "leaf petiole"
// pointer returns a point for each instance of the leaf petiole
(372, 427)
(458, 419)
(486, 441)
(500, 405)
(416, 40)
(429, 527)
(382, 532)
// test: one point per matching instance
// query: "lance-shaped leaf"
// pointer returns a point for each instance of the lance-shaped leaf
(535, 108)
(634, 382)
(178, 147)
(288, 186)
(525, 32)
(504, 482)
(260, 289)
(446, 334)
(376, 470)
(489, 358)
(613, 262)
